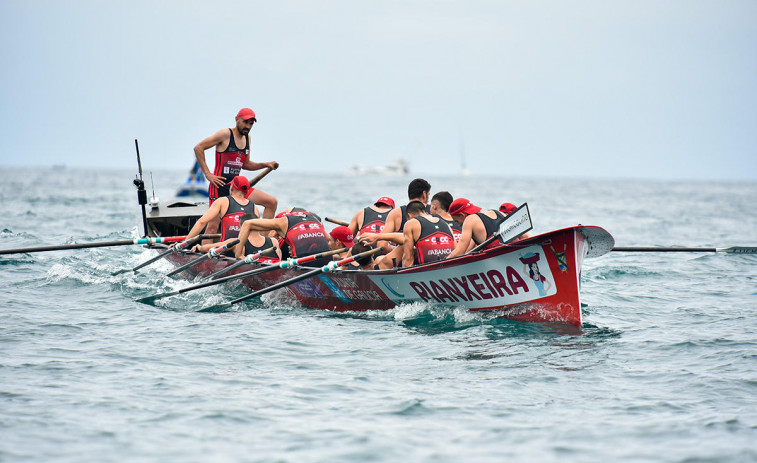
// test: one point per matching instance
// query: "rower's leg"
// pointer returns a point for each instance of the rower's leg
(270, 203)
(391, 260)
(211, 228)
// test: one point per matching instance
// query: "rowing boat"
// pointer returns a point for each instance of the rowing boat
(535, 280)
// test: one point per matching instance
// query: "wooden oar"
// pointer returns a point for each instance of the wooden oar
(338, 222)
(248, 259)
(733, 250)
(262, 174)
(280, 265)
(179, 247)
(516, 223)
(101, 244)
(214, 252)
(331, 266)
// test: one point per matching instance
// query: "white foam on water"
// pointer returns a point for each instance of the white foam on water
(411, 310)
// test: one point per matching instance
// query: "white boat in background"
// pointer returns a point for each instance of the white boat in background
(464, 171)
(398, 167)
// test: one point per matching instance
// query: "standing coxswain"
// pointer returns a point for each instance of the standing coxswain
(232, 155)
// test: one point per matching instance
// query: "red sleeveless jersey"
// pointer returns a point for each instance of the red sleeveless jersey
(305, 234)
(492, 226)
(230, 221)
(373, 222)
(229, 164)
(435, 241)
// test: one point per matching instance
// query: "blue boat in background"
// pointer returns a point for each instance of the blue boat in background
(196, 184)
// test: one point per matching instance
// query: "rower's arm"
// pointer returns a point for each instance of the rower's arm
(393, 220)
(207, 247)
(353, 226)
(244, 233)
(392, 224)
(372, 238)
(253, 225)
(213, 212)
(213, 140)
(411, 233)
(466, 240)
(251, 165)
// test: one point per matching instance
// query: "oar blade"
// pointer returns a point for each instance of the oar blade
(740, 250)
(218, 308)
(149, 300)
(119, 272)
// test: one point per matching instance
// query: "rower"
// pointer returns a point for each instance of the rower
(440, 206)
(302, 232)
(477, 225)
(427, 238)
(227, 211)
(417, 190)
(372, 219)
(361, 263)
(257, 242)
(394, 257)
(339, 238)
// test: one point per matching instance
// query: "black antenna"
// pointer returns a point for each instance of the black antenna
(141, 193)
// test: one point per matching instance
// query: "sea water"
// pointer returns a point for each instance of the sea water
(664, 368)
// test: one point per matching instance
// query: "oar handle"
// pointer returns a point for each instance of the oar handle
(250, 258)
(304, 260)
(262, 174)
(349, 259)
(338, 222)
(189, 242)
(216, 252)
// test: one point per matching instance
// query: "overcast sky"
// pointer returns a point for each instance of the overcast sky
(645, 89)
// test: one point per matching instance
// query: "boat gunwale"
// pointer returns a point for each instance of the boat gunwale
(446, 263)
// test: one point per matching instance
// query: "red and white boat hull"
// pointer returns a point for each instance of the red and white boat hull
(536, 280)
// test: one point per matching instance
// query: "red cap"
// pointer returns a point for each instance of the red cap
(507, 208)
(242, 184)
(343, 235)
(386, 200)
(462, 205)
(247, 114)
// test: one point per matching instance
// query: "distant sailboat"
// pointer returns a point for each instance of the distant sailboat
(464, 171)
